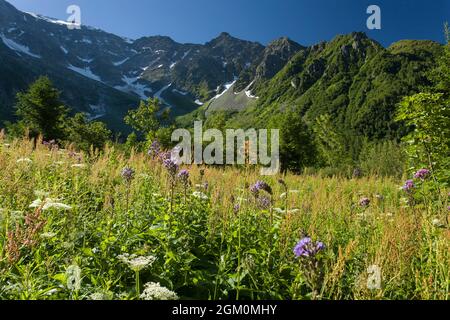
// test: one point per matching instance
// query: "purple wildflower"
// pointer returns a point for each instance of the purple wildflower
(164, 156)
(422, 174)
(183, 175)
(155, 149)
(264, 202)
(408, 186)
(171, 166)
(236, 208)
(364, 202)
(128, 174)
(307, 248)
(259, 186)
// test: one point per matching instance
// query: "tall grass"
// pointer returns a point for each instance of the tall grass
(216, 242)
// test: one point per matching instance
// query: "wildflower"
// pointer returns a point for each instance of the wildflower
(155, 149)
(102, 296)
(183, 175)
(128, 174)
(200, 195)
(279, 210)
(36, 203)
(264, 202)
(259, 186)
(437, 223)
(408, 186)
(78, 165)
(56, 205)
(24, 160)
(73, 275)
(137, 263)
(422, 174)
(171, 167)
(236, 208)
(154, 291)
(364, 202)
(307, 248)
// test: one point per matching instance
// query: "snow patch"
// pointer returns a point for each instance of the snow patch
(18, 47)
(186, 54)
(227, 87)
(85, 72)
(51, 20)
(132, 85)
(64, 50)
(198, 102)
(160, 92)
(180, 92)
(118, 63)
(85, 60)
(173, 64)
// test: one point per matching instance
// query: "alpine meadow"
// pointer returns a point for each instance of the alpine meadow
(99, 202)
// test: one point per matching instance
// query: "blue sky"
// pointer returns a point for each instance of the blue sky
(305, 21)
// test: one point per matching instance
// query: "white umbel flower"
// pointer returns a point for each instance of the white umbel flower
(200, 195)
(73, 275)
(78, 165)
(154, 291)
(56, 205)
(24, 160)
(49, 204)
(137, 263)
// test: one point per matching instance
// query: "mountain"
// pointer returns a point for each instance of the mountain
(352, 78)
(105, 75)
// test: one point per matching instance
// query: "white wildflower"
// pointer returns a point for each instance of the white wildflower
(279, 210)
(78, 165)
(154, 291)
(24, 160)
(102, 296)
(293, 210)
(48, 204)
(200, 195)
(283, 195)
(36, 203)
(137, 263)
(73, 275)
(437, 223)
(56, 205)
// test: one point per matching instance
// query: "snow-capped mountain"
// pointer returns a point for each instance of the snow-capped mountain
(104, 75)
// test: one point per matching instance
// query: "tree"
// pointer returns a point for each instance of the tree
(41, 111)
(297, 149)
(85, 134)
(146, 119)
(428, 115)
(331, 143)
